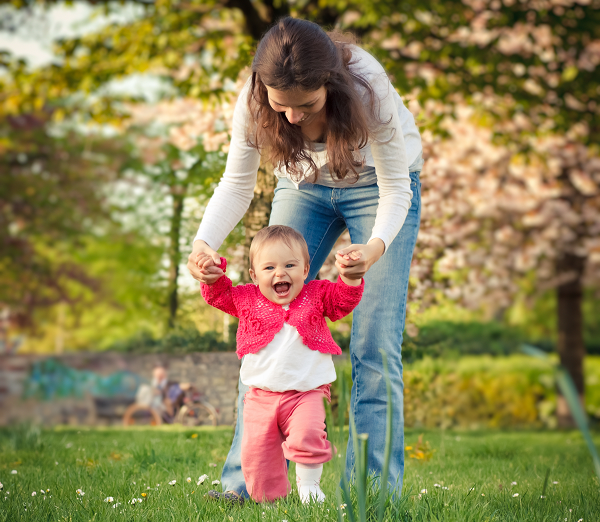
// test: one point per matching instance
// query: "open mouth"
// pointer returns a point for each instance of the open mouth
(281, 289)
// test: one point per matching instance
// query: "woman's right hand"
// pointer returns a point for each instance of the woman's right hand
(201, 248)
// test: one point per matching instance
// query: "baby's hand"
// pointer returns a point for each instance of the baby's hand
(354, 255)
(210, 272)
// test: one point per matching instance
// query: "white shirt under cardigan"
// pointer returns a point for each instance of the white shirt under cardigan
(286, 363)
(394, 148)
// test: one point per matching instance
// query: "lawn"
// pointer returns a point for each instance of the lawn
(471, 476)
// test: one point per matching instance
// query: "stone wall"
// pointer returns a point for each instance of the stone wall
(214, 374)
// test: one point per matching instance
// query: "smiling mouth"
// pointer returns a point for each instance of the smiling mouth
(282, 289)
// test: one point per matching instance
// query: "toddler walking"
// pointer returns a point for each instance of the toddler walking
(286, 348)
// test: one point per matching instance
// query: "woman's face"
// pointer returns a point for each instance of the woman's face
(300, 107)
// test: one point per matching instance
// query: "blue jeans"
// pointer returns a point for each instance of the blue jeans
(321, 214)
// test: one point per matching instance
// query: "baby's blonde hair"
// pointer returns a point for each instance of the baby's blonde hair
(279, 233)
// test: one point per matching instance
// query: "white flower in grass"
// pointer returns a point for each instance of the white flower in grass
(172, 483)
(515, 495)
(1, 486)
(136, 500)
(423, 491)
(555, 482)
(444, 487)
(80, 492)
(13, 472)
(437, 486)
(216, 482)
(109, 499)
(56, 462)
(33, 493)
(189, 479)
(201, 479)
(116, 504)
(513, 483)
(42, 492)
(542, 496)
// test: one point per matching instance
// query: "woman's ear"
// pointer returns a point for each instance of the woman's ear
(252, 276)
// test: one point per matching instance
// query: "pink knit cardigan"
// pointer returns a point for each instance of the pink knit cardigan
(260, 319)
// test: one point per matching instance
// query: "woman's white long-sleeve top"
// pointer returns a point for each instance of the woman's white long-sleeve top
(392, 149)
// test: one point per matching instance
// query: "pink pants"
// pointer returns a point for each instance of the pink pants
(279, 426)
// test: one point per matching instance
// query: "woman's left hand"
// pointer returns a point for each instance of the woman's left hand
(353, 268)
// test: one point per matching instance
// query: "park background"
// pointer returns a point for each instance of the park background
(114, 128)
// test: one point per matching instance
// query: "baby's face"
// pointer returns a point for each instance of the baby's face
(279, 271)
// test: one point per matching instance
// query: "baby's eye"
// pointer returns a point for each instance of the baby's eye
(269, 267)
(290, 265)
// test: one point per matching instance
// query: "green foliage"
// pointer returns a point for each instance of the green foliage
(453, 339)
(514, 391)
(176, 341)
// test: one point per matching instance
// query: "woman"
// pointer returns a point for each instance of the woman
(347, 154)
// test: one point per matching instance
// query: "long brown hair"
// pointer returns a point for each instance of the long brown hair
(298, 54)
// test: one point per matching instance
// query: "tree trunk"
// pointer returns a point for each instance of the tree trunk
(571, 348)
(178, 195)
(259, 211)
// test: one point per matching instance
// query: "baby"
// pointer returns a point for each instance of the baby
(286, 348)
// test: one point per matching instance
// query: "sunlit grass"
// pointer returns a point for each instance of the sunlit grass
(495, 476)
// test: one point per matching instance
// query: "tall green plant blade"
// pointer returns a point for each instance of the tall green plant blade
(534, 351)
(362, 479)
(388, 442)
(567, 387)
(343, 400)
(360, 471)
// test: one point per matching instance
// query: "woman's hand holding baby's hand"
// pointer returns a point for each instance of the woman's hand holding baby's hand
(354, 261)
(203, 263)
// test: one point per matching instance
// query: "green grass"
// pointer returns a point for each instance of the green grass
(124, 463)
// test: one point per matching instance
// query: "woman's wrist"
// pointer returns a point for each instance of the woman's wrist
(376, 248)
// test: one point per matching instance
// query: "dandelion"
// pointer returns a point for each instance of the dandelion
(33, 493)
(513, 483)
(215, 482)
(172, 483)
(423, 491)
(194, 435)
(144, 494)
(13, 472)
(515, 495)
(80, 492)
(109, 499)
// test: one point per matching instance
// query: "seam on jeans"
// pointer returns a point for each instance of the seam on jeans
(322, 239)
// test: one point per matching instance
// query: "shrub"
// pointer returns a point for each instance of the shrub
(177, 341)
